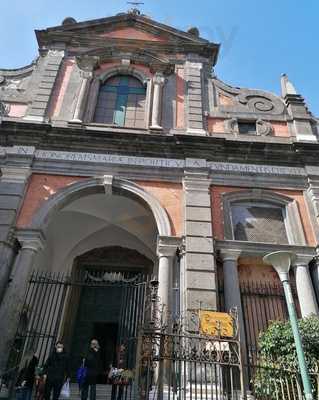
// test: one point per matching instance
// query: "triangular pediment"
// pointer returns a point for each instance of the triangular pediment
(124, 30)
(134, 34)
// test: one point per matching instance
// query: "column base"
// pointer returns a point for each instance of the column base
(156, 128)
(75, 121)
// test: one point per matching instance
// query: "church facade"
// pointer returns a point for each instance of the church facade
(124, 156)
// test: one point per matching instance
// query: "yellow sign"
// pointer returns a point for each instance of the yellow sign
(214, 323)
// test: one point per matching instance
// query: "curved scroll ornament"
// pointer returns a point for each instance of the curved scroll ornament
(256, 101)
(264, 128)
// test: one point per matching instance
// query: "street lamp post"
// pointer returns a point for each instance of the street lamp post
(281, 261)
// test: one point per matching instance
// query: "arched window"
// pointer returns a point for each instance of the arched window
(121, 102)
(262, 216)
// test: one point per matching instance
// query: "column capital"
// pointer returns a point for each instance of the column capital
(87, 63)
(13, 174)
(159, 79)
(168, 245)
(302, 260)
(31, 239)
(198, 181)
(229, 254)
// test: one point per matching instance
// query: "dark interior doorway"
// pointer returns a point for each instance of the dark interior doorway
(106, 334)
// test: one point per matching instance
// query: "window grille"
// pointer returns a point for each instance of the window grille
(258, 222)
(248, 128)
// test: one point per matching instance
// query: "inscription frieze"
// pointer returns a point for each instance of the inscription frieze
(217, 167)
(255, 169)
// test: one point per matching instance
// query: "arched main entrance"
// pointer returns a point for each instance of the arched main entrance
(93, 215)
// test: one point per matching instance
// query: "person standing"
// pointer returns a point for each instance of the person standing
(27, 378)
(55, 372)
(93, 363)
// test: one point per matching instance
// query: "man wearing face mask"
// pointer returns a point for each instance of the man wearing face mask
(56, 371)
(93, 363)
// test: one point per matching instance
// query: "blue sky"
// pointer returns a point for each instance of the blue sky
(260, 39)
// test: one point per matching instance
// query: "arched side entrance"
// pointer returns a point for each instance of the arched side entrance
(39, 239)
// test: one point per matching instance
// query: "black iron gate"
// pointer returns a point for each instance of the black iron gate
(175, 364)
(160, 359)
(49, 310)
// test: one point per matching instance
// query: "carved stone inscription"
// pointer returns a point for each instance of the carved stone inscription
(109, 159)
(215, 167)
(255, 169)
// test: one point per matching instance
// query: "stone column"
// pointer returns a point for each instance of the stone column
(166, 251)
(315, 275)
(305, 290)
(158, 83)
(233, 299)
(13, 183)
(86, 65)
(31, 242)
(232, 288)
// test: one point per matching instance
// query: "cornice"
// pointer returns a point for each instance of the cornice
(260, 249)
(182, 146)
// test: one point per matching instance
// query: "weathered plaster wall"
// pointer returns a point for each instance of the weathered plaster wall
(131, 33)
(170, 195)
(280, 129)
(40, 188)
(252, 269)
(61, 87)
(218, 216)
(215, 125)
(17, 110)
(180, 98)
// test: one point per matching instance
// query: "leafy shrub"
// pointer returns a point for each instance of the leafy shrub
(278, 357)
(276, 344)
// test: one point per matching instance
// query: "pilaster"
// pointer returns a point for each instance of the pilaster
(312, 197)
(158, 84)
(13, 184)
(199, 249)
(86, 64)
(48, 72)
(32, 241)
(195, 118)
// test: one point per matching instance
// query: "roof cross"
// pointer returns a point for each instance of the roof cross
(136, 4)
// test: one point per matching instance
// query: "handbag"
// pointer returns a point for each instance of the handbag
(65, 391)
(81, 374)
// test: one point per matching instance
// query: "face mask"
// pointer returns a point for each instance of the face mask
(59, 350)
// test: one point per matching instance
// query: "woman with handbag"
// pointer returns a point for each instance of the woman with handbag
(56, 372)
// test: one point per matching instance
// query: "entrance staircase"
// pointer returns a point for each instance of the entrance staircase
(103, 392)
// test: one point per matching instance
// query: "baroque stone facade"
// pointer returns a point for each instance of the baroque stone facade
(120, 134)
